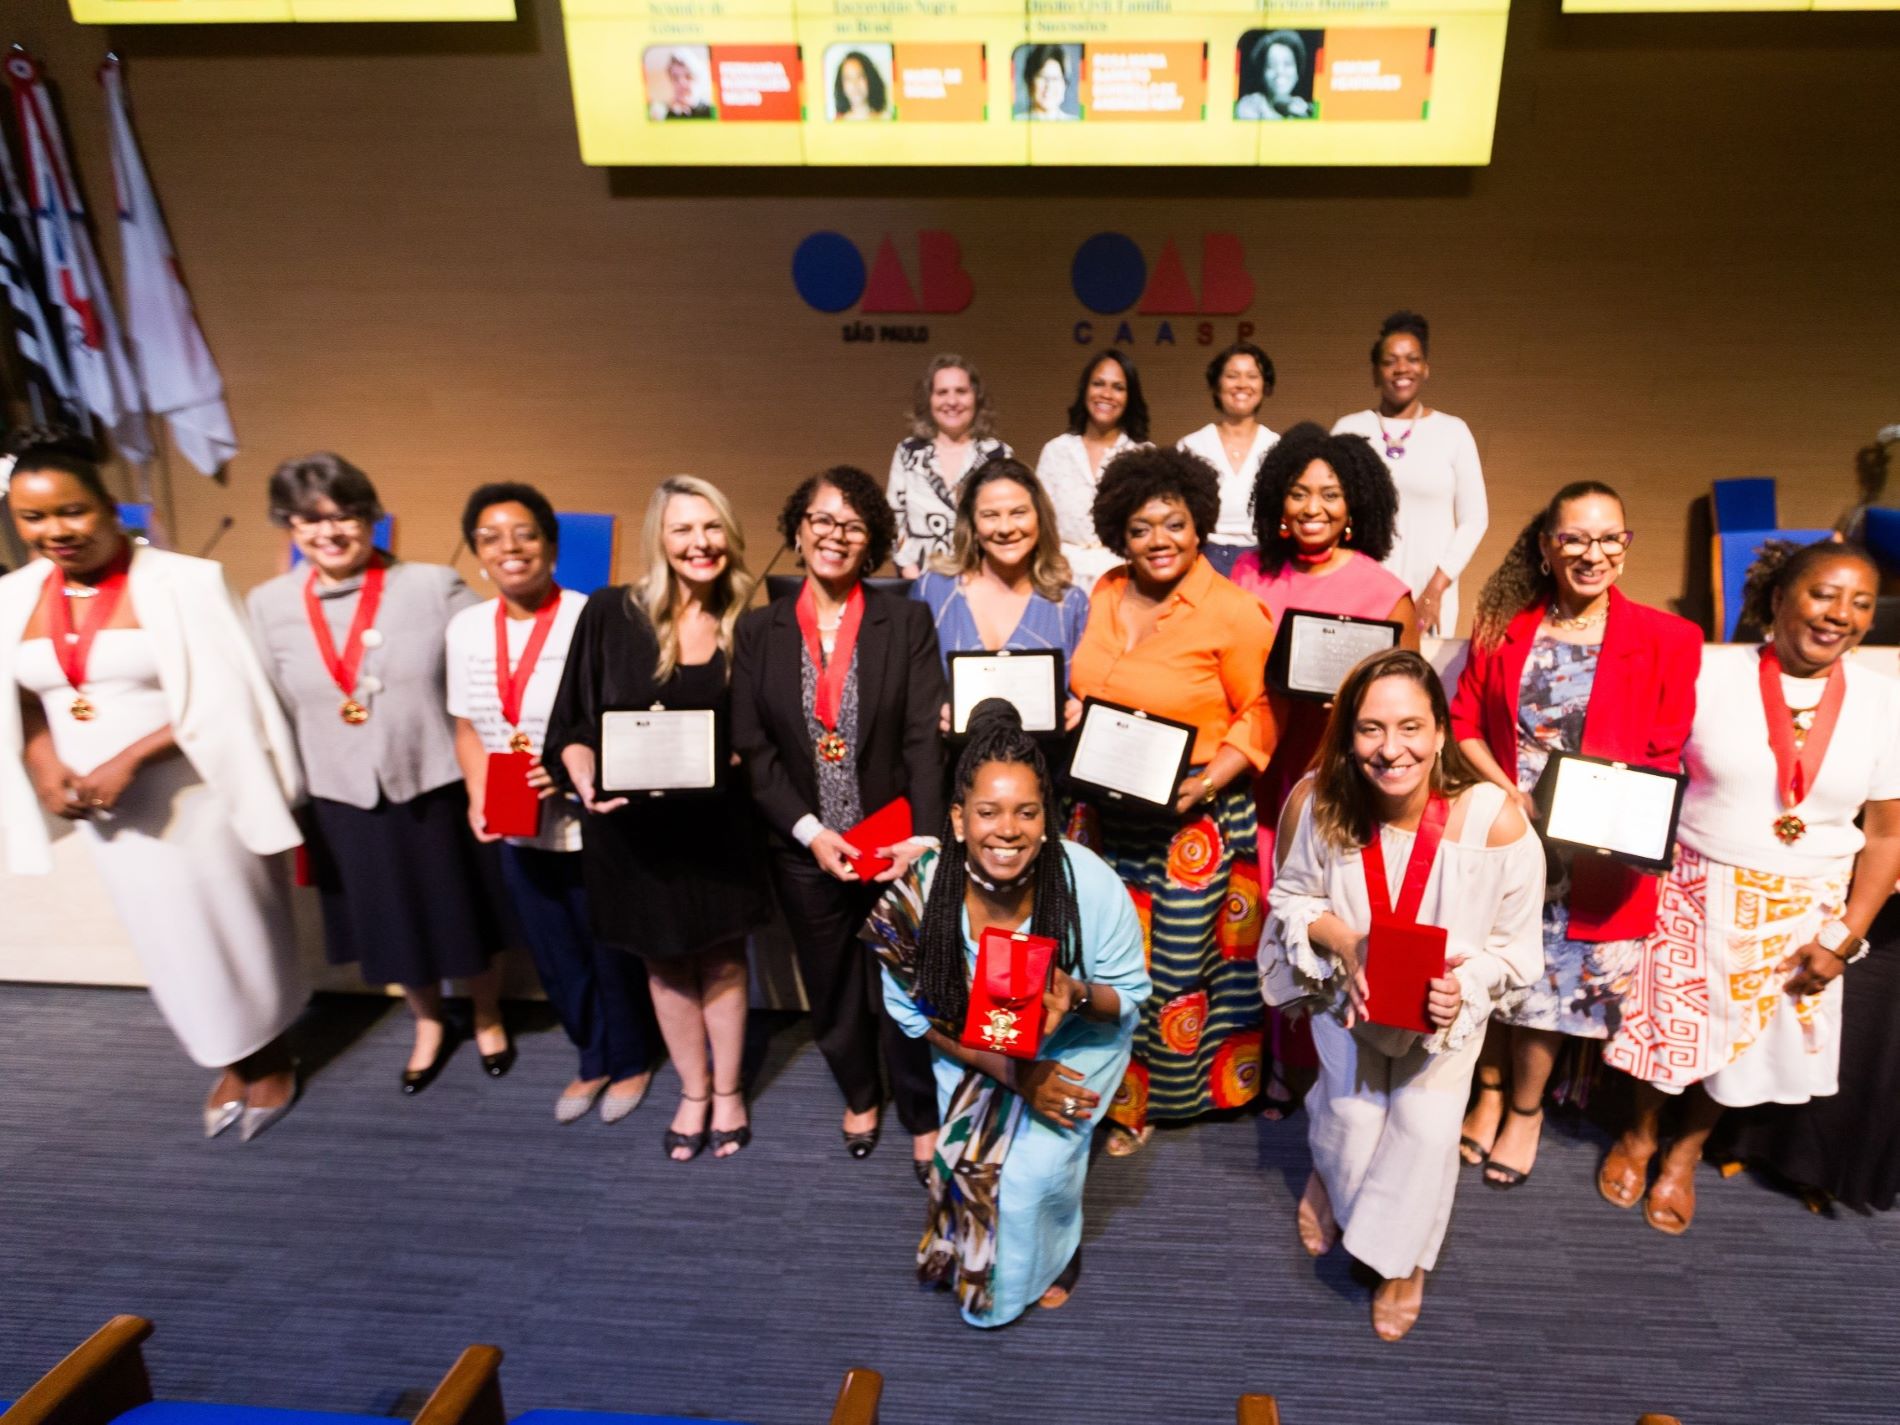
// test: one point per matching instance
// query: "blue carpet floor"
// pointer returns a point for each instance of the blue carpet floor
(342, 1260)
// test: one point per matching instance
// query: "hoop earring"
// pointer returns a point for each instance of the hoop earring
(1543, 566)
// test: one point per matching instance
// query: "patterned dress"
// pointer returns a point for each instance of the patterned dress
(1583, 983)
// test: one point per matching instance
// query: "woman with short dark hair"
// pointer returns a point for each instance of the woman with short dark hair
(1169, 636)
(836, 694)
(1240, 379)
(355, 645)
(1108, 416)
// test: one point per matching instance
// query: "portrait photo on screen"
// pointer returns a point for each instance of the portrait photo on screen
(858, 83)
(1276, 73)
(679, 82)
(1048, 82)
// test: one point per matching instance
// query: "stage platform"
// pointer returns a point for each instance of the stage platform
(342, 1260)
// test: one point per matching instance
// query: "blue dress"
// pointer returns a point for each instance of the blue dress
(1039, 1194)
(1044, 624)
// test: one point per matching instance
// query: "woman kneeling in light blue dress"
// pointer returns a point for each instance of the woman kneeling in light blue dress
(1005, 1223)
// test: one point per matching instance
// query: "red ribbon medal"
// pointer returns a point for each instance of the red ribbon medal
(1795, 770)
(1418, 870)
(343, 666)
(72, 647)
(829, 697)
(512, 683)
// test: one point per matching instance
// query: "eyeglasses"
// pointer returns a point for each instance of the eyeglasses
(850, 531)
(343, 524)
(1574, 544)
(488, 536)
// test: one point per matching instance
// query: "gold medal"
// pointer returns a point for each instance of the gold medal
(1001, 1031)
(353, 712)
(1789, 828)
(520, 742)
(832, 748)
(82, 710)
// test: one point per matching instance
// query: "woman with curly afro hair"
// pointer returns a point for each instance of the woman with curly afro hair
(1323, 510)
(1169, 636)
(835, 693)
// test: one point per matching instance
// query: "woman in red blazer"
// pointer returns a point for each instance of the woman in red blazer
(1561, 662)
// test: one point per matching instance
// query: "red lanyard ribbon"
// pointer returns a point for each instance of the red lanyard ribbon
(1418, 870)
(831, 673)
(1795, 771)
(343, 666)
(512, 683)
(70, 648)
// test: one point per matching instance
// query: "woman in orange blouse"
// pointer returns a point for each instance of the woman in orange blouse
(1169, 635)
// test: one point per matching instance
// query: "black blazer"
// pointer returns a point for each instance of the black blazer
(900, 697)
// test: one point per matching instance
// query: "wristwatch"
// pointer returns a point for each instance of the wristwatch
(1837, 939)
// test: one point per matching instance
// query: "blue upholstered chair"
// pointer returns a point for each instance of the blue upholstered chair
(586, 561)
(1745, 519)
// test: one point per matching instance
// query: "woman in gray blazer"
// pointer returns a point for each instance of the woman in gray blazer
(353, 643)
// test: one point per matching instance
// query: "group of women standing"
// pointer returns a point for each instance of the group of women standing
(1208, 958)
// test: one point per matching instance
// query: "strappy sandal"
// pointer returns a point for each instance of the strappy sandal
(1500, 1176)
(696, 1142)
(1276, 1107)
(1318, 1235)
(1125, 1142)
(734, 1138)
(1470, 1149)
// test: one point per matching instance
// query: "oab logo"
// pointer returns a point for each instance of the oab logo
(1112, 278)
(830, 274)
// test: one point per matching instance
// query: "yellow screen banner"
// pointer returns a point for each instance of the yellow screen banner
(945, 83)
(226, 12)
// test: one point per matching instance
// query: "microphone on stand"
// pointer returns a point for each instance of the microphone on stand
(216, 535)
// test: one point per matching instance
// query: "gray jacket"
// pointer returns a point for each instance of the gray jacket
(407, 747)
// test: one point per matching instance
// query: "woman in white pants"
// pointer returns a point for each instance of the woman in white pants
(1385, 1114)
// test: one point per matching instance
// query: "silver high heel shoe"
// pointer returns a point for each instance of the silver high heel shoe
(256, 1120)
(221, 1116)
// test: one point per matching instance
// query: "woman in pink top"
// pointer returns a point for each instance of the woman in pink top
(1323, 513)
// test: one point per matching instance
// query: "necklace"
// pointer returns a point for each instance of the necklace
(1395, 444)
(1559, 619)
(81, 591)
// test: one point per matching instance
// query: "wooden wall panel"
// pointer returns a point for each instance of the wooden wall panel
(1681, 265)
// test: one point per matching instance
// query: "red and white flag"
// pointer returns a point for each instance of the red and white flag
(180, 379)
(95, 350)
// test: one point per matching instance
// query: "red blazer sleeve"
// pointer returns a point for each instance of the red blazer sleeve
(1678, 663)
(1467, 701)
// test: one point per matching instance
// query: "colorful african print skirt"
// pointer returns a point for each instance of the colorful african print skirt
(1196, 886)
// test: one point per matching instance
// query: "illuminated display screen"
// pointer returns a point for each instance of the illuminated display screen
(225, 12)
(1717, 7)
(950, 82)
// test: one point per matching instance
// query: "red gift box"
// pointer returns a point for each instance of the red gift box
(886, 826)
(1006, 1013)
(1402, 959)
(510, 807)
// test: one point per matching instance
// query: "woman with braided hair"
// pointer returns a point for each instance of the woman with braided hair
(1005, 1221)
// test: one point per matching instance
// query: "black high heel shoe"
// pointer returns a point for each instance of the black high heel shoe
(734, 1138)
(859, 1145)
(694, 1142)
(414, 1081)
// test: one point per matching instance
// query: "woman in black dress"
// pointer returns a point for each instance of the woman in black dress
(835, 695)
(675, 881)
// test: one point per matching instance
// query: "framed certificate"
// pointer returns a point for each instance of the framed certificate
(1126, 755)
(1312, 653)
(1032, 680)
(657, 752)
(1612, 808)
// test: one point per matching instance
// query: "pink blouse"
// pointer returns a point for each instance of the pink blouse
(1359, 588)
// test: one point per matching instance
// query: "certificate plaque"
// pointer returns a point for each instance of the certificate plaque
(659, 751)
(1125, 755)
(1612, 808)
(1032, 680)
(1312, 653)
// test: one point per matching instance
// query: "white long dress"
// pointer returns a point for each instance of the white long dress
(210, 919)
(1443, 509)
(1383, 1117)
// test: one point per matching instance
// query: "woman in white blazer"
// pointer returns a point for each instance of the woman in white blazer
(143, 719)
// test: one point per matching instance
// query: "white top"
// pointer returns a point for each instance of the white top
(1489, 899)
(1442, 508)
(1729, 810)
(1235, 525)
(121, 684)
(1063, 469)
(474, 695)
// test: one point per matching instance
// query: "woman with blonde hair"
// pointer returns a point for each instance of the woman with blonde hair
(1005, 583)
(675, 881)
(952, 432)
